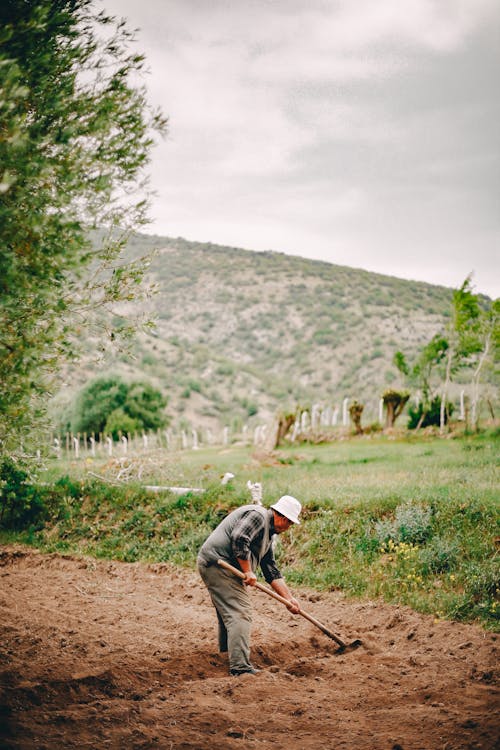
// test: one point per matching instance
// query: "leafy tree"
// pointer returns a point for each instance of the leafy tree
(18, 500)
(285, 421)
(95, 402)
(110, 405)
(420, 372)
(426, 414)
(145, 404)
(461, 336)
(488, 335)
(420, 375)
(472, 338)
(75, 137)
(428, 360)
(355, 411)
(394, 402)
(401, 363)
(119, 421)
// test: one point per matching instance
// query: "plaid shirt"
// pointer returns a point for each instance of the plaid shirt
(247, 539)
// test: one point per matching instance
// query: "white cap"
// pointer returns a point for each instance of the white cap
(289, 507)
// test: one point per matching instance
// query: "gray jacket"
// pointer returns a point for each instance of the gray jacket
(219, 545)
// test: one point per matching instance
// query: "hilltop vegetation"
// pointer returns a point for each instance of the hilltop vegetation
(241, 334)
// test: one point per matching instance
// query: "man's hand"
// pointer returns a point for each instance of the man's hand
(282, 589)
(250, 578)
(293, 606)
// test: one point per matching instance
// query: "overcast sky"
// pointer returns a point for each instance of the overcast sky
(361, 132)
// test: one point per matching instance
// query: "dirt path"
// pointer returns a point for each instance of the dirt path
(100, 654)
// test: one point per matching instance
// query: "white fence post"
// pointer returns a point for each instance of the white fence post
(345, 420)
(461, 416)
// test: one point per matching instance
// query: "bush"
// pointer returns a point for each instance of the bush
(18, 502)
(432, 414)
(120, 422)
(145, 404)
(112, 399)
(439, 556)
(482, 581)
(411, 523)
(95, 402)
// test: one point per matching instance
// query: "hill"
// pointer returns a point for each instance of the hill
(241, 334)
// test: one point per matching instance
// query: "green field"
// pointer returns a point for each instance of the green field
(412, 521)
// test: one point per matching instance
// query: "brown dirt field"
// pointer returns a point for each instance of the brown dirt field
(98, 654)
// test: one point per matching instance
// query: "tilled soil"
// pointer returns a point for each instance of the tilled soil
(97, 654)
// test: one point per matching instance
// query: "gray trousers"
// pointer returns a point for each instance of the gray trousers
(234, 615)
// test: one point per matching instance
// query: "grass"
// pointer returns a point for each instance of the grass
(414, 522)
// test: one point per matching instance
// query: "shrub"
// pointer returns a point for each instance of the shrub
(432, 415)
(120, 422)
(411, 523)
(439, 556)
(225, 368)
(194, 385)
(100, 398)
(22, 503)
(324, 336)
(95, 402)
(145, 404)
(18, 501)
(394, 402)
(483, 581)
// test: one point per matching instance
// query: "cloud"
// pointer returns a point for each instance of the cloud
(353, 130)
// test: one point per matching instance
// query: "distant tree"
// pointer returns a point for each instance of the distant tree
(110, 405)
(355, 411)
(430, 357)
(278, 430)
(471, 339)
(121, 422)
(95, 402)
(419, 373)
(75, 137)
(488, 335)
(420, 376)
(394, 402)
(252, 409)
(427, 414)
(401, 363)
(461, 336)
(146, 405)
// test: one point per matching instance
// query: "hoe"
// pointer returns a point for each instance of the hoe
(342, 646)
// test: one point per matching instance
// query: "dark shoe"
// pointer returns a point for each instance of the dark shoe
(238, 672)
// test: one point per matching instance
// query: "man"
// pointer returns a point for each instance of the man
(244, 539)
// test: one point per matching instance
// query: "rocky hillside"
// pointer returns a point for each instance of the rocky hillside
(241, 334)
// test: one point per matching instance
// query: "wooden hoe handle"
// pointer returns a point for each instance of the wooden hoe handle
(270, 592)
